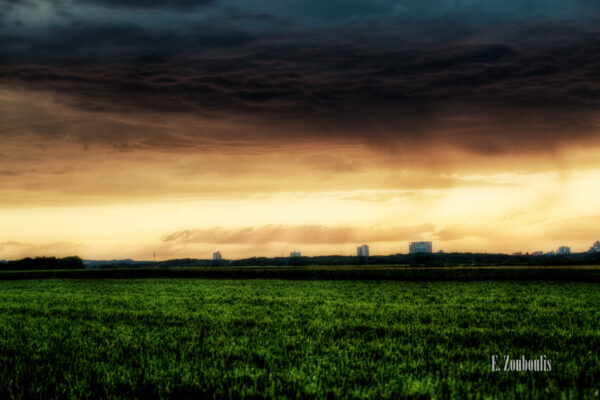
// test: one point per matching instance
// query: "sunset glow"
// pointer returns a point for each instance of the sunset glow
(256, 140)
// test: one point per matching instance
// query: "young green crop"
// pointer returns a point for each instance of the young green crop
(191, 338)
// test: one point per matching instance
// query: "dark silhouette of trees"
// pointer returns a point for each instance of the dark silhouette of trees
(29, 263)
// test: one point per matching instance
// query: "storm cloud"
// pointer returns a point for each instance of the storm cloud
(489, 78)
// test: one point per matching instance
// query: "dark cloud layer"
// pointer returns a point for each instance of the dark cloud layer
(383, 72)
(151, 3)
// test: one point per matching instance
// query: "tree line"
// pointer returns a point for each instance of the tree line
(409, 260)
(429, 260)
(37, 263)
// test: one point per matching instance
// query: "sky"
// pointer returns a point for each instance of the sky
(261, 127)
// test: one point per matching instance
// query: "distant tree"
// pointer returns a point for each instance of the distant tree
(29, 263)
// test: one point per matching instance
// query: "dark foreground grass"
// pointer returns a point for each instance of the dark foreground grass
(194, 338)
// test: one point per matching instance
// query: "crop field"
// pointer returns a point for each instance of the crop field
(273, 338)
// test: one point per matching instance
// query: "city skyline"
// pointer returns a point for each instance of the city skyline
(415, 248)
(262, 127)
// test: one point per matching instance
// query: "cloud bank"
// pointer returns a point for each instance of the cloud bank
(306, 234)
(490, 78)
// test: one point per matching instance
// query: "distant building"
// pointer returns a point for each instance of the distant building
(595, 247)
(550, 253)
(217, 256)
(419, 247)
(538, 253)
(362, 251)
(564, 250)
(295, 254)
(517, 253)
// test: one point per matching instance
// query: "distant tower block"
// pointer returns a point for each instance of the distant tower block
(564, 250)
(419, 247)
(217, 256)
(362, 251)
(595, 247)
(295, 254)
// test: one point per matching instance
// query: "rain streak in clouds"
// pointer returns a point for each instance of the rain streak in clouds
(486, 77)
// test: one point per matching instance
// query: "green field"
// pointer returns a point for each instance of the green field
(273, 338)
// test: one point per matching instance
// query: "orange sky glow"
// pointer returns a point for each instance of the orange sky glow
(183, 186)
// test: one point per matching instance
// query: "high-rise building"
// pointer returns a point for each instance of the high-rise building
(295, 254)
(564, 250)
(217, 256)
(595, 247)
(362, 251)
(419, 247)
